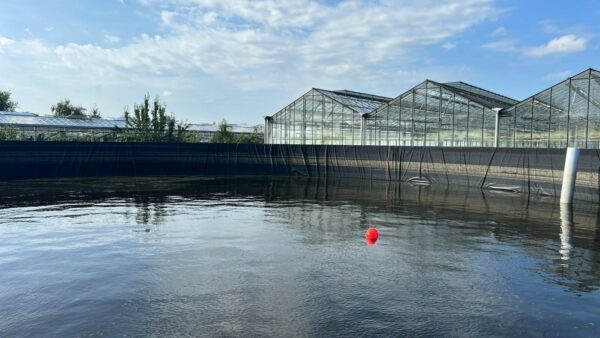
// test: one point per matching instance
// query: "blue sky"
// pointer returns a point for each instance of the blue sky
(244, 59)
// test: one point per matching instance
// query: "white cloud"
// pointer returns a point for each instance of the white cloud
(500, 31)
(505, 45)
(243, 45)
(448, 45)
(277, 41)
(5, 42)
(111, 39)
(558, 76)
(166, 93)
(561, 45)
(49, 29)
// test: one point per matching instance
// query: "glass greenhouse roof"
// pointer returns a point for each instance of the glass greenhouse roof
(560, 93)
(29, 119)
(33, 120)
(482, 96)
(362, 103)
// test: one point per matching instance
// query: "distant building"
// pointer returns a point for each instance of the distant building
(34, 127)
(453, 114)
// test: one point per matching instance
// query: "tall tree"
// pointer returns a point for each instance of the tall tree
(223, 134)
(95, 112)
(151, 123)
(6, 104)
(65, 108)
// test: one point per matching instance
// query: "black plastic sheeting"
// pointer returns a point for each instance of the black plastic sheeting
(504, 170)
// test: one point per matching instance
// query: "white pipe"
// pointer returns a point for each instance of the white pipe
(569, 175)
(497, 128)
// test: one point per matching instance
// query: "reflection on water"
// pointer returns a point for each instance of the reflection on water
(246, 256)
(566, 233)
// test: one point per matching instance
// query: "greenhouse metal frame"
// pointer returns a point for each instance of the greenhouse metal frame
(454, 114)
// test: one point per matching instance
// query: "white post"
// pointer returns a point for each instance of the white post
(569, 176)
(497, 129)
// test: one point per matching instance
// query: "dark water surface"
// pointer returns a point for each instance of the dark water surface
(176, 256)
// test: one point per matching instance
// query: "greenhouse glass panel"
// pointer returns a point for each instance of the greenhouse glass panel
(406, 119)
(433, 115)
(475, 125)
(461, 121)
(370, 132)
(393, 124)
(446, 118)
(593, 139)
(507, 128)
(381, 126)
(489, 127)
(298, 123)
(559, 117)
(419, 115)
(328, 121)
(523, 124)
(347, 124)
(578, 110)
(541, 119)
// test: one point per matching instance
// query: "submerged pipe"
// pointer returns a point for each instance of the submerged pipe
(566, 231)
(569, 176)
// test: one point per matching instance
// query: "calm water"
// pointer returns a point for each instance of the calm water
(287, 257)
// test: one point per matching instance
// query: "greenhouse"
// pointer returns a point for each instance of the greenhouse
(564, 115)
(33, 127)
(454, 114)
(322, 117)
(435, 114)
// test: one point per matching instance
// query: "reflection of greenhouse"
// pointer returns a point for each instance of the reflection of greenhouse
(29, 126)
(445, 114)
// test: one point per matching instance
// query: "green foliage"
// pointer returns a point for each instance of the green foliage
(6, 104)
(149, 123)
(223, 134)
(250, 138)
(65, 108)
(69, 137)
(8, 133)
(95, 113)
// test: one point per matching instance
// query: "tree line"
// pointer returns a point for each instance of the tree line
(148, 122)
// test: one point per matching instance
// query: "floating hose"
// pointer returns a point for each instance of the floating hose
(419, 180)
(504, 188)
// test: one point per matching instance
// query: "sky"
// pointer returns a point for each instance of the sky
(241, 60)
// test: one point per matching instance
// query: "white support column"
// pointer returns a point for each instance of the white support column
(569, 176)
(497, 128)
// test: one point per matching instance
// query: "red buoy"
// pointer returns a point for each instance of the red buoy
(371, 236)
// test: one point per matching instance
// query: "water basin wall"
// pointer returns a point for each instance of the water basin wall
(504, 170)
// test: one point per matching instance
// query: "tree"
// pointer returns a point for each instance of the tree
(95, 113)
(65, 108)
(150, 123)
(8, 133)
(223, 134)
(6, 104)
(250, 138)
